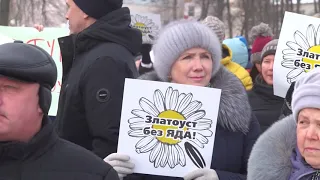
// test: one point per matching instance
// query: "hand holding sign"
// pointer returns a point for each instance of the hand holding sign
(170, 130)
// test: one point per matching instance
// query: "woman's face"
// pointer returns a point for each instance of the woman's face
(267, 69)
(308, 136)
(193, 67)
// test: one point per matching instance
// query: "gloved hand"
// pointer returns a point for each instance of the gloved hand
(202, 174)
(120, 163)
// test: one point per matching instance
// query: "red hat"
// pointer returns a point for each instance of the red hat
(261, 35)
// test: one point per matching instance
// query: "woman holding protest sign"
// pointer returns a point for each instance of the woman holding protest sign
(188, 52)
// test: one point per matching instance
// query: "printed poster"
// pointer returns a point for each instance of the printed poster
(298, 50)
(149, 24)
(168, 129)
(47, 39)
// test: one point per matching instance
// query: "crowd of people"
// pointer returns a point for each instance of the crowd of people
(259, 136)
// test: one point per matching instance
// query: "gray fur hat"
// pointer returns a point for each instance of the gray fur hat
(179, 36)
(306, 93)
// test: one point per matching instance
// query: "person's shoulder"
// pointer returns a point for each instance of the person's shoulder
(66, 156)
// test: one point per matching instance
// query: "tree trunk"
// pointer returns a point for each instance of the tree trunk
(260, 7)
(174, 10)
(244, 29)
(4, 12)
(204, 9)
(220, 9)
(315, 6)
(287, 5)
(266, 12)
(277, 19)
(291, 6)
(298, 6)
(318, 5)
(229, 19)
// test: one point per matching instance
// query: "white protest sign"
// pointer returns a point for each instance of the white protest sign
(149, 24)
(298, 50)
(168, 129)
(47, 39)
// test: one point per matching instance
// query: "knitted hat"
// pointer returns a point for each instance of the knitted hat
(216, 25)
(179, 36)
(306, 92)
(98, 8)
(269, 49)
(260, 35)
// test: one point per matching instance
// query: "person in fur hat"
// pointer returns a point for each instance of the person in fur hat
(260, 35)
(290, 148)
(193, 58)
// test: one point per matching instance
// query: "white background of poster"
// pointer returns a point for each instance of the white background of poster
(152, 21)
(285, 56)
(136, 89)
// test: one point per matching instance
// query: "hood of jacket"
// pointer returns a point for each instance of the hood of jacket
(113, 27)
(239, 51)
(226, 55)
(234, 110)
(270, 157)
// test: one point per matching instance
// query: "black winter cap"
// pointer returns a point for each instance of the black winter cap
(98, 8)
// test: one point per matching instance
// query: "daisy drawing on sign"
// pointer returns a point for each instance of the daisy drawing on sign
(171, 127)
(303, 53)
(148, 28)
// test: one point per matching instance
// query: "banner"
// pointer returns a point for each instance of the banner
(298, 50)
(47, 39)
(168, 129)
(149, 24)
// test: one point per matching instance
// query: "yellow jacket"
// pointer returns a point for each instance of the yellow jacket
(235, 68)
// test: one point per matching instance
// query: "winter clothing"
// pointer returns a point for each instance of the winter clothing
(275, 157)
(216, 25)
(30, 63)
(202, 174)
(243, 39)
(120, 163)
(95, 65)
(306, 93)
(286, 109)
(172, 43)
(265, 105)
(300, 167)
(260, 35)
(98, 8)
(235, 68)
(46, 156)
(269, 49)
(236, 132)
(146, 64)
(239, 51)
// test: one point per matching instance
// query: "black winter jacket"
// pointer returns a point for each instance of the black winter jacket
(47, 157)
(265, 105)
(95, 65)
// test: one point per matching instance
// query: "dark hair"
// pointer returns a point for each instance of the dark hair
(254, 73)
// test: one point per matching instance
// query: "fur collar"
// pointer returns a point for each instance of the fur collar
(270, 156)
(234, 111)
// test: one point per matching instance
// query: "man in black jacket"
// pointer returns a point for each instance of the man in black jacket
(96, 59)
(29, 147)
